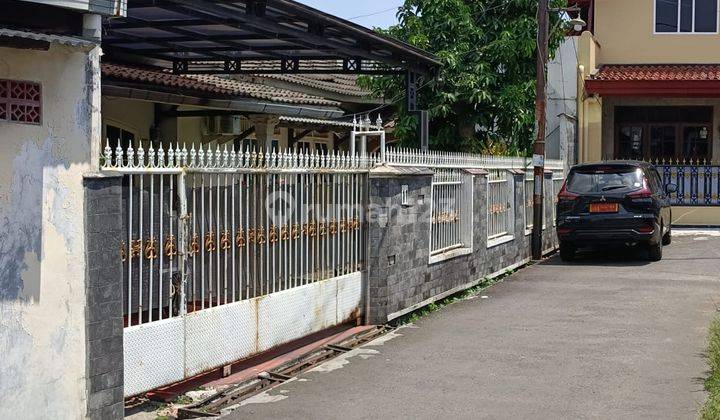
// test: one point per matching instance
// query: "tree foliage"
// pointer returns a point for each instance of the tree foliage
(483, 97)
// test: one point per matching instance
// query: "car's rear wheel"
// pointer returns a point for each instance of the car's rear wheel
(667, 238)
(655, 251)
(567, 251)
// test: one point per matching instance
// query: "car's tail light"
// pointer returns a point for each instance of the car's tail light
(565, 195)
(563, 231)
(644, 192)
(648, 228)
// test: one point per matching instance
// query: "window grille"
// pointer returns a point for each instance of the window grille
(451, 226)
(499, 208)
(20, 101)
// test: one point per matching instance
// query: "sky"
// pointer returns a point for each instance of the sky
(382, 11)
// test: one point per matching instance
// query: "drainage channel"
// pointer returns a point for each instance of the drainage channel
(226, 399)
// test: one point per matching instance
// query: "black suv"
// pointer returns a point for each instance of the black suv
(614, 203)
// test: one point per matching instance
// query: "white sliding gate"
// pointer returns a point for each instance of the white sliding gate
(228, 254)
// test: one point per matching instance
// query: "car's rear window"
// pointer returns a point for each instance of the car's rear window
(605, 179)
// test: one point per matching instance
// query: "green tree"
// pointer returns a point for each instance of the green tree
(483, 97)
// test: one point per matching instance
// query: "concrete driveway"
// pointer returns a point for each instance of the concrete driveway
(605, 337)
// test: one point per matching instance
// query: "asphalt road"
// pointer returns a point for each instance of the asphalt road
(608, 336)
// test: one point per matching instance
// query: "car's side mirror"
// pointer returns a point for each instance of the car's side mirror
(671, 188)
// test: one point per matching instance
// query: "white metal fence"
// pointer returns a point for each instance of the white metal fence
(209, 227)
(500, 191)
(499, 204)
(528, 191)
(557, 183)
(451, 216)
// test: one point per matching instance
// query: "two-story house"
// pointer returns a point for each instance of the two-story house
(649, 88)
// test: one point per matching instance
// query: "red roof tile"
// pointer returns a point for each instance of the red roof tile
(659, 72)
(211, 84)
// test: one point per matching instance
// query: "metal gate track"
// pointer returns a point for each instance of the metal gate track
(213, 405)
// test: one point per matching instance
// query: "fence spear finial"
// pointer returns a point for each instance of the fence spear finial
(161, 156)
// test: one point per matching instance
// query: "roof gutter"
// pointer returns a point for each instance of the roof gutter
(234, 104)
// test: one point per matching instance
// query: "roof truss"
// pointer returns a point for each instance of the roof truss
(253, 36)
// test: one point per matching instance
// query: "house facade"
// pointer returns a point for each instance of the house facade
(649, 88)
(76, 76)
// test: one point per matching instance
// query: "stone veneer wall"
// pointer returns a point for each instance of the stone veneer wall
(400, 278)
(104, 293)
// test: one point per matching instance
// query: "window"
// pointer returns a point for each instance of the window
(664, 133)
(303, 146)
(662, 141)
(696, 142)
(245, 145)
(116, 135)
(630, 142)
(686, 16)
(20, 102)
(322, 148)
(602, 179)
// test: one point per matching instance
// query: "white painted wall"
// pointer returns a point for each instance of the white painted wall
(134, 116)
(138, 116)
(561, 96)
(42, 249)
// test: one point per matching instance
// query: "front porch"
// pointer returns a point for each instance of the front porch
(148, 107)
(666, 114)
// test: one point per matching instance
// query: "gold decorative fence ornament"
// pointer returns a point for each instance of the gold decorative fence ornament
(285, 233)
(273, 234)
(261, 236)
(322, 230)
(210, 242)
(123, 253)
(194, 245)
(343, 226)
(225, 241)
(240, 238)
(333, 227)
(170, 247)
(135, 248)
(497, 208)
(251, 235)
(295, 231)
(312, 229)
(356, 223)
(151, 249)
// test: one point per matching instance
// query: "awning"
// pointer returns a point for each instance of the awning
(270, 36)
(35, 40)
(659, 80)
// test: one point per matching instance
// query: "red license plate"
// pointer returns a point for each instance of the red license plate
(604, 208)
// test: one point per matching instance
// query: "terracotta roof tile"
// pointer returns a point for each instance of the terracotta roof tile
(212, 84)
(336, 83)
(659, 72)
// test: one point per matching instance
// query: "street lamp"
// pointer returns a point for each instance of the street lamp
(538, 160)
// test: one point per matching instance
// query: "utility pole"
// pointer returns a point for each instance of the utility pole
(539, 146)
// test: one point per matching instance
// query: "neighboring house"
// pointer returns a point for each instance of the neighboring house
(650, 78)
(143, 105)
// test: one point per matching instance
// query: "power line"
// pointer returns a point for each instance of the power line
(373, 14)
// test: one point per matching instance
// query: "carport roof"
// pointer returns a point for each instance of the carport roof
(253, 36)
